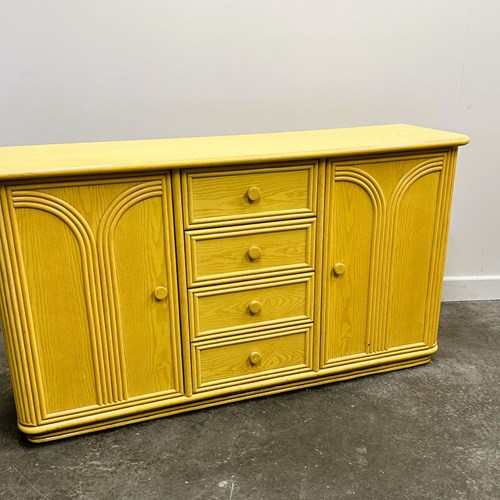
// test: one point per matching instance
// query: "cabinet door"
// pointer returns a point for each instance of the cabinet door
(385, 224)
(97, 276)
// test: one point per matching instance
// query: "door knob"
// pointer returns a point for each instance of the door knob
(160, 293)
(253, 194)
(339, 268)
(254, 252)
(255, 358)
(254, 307)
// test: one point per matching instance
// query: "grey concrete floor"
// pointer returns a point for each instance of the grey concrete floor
(426, 432)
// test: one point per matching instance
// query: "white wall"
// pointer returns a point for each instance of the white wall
(122, 69)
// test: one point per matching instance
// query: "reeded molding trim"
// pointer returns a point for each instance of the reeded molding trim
(99, 273)
(106, 258)
(385, 225)
(86, 244)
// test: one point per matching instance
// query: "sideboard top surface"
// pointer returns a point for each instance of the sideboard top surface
(18, 162)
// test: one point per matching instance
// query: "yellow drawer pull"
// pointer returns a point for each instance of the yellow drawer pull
(255, 358)
(339, 269)
(253, 194)
(254, 253)
(254, 307)
(160, 293)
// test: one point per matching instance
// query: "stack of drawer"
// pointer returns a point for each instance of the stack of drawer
(250, 252)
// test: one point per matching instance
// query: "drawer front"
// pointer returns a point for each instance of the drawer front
(250, 307)
(233, 362)
(236, 194)
(268, 250)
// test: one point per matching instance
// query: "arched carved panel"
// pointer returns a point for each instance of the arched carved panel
(59, 273)
(378, 256)
(411, 224)
(142, 349)
(373, 300)
(357, 212)
(91, 286)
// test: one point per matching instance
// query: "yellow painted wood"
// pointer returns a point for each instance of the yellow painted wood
(254, 307)
(17, 341)
(61, 323)
(382, 233)
(254, 253)
(177, 238)
(241, 252)
(414, 231)
(238, 360)
(339, 268)
(265, 387)
(255, 358)
(348, 227)
(436, 270)
(217, 311)
(90, 257)
(319, 262)
(214, 197)
(301, 258)
(160, 293)
(146, 300)
(253, 194)
(127, 156)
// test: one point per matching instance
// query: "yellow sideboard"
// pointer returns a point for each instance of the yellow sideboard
(146, 278)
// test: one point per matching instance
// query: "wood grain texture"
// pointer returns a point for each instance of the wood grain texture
(228, 362)
(177, 237)
(86, 286)
(221, 196)
(398, 213)
(438, 256)
(413, 242)
(24, 377)
(353, 219)
(207, 399)
(56, 261)
(149, 349)
(222, 310)
(132, 156)
(8, 326)
(302, 258)
(221, 256)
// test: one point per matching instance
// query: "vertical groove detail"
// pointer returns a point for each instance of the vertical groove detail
(374, 191)
(85, 238)
(413, 175)
(105, 235)
(385, 224)
(439, 248)
(11, 318)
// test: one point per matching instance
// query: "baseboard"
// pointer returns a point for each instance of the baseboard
(460, 288)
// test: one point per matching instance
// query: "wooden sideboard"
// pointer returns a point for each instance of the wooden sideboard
(146, 278)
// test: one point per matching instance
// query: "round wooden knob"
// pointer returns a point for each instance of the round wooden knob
(254, 307)
(255, 358)
(254, 252)
(160, 293)
(339, 268)
(253, 194)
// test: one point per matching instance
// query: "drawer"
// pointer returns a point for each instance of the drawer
(218, 311)
(265, 250)
(235, 361)
(235, 194)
